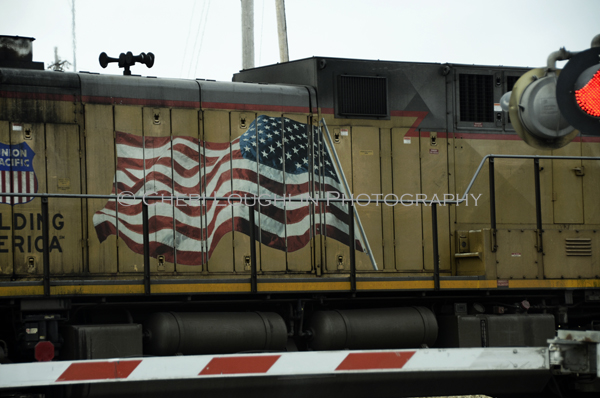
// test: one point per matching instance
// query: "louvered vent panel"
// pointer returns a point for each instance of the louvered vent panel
(362, 96)
(476, 98)
(578, 246)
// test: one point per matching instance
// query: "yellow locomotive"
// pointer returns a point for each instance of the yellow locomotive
(138, 208)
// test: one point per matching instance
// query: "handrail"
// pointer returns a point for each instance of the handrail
(349, 201)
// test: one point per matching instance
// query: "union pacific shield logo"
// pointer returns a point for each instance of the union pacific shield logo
(16, 172)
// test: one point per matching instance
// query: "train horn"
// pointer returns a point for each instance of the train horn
(126, 61)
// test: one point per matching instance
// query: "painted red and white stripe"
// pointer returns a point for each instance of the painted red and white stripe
(17, 182)
(282, 364)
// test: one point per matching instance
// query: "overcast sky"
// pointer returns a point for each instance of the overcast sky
(202, 39)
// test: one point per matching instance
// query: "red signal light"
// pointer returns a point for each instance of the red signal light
(44, 351)
(588, 97)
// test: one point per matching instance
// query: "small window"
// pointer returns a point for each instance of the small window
(364, 96)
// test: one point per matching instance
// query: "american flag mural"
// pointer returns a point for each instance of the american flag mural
(275, 158)
(16, 172)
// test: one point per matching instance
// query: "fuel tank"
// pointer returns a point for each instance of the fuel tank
(378, 328)
(170, 333)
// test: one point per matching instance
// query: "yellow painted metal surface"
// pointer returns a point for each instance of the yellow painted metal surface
(591, 187)
(466, 284)
(216, 129)
(240, 122)
(63, 170)
(300, 260)
(201, 288)
(406, 183)
(517, 255)
(100, 166)
(366, 182)
(387, 212)
(157, 123)
(337, 253)
(554, 284)
(571, 253)
(303, 286)
(26, 223)
(568, 191)
(270, 259)
(186, 123)
(21, 291)
(128, 119)
(514, 181)
(75, 290)
(6, 216)
(434, 184)
(393, 285)
(377, 157)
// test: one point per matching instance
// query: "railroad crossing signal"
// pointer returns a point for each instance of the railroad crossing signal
(578, 91)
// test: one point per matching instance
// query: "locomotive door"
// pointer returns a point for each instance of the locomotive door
(186, 123)
(128, 119)
(100, 178)
(337, 254)
(366, 183)
(434, 181)
(40, 158)
(406, 180)
(301, 259)
(240, 123)
(358, 152)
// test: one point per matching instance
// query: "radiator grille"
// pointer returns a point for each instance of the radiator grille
(510, 82)
(476, 98)
(578, 246)
(362, 96)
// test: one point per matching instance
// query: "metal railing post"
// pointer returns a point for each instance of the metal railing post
(492, 203)
(538, 205)
(146, 233)
(436, 255)
(253, 276)
(46, 245)
(352, 247)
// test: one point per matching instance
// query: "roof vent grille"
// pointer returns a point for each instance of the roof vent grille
(364, 96)
(476, 98)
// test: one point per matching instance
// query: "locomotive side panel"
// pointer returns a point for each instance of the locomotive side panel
(26, 221)
(188, 122)
(63, 171)
(101, 166)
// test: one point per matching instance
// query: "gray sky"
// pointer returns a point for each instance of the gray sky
(203, 38)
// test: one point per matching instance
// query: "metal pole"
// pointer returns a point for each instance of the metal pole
(282, 31)
(253, 278)
(492, 204)
(247, 34)
(45, 243)
(74, 36)
(538, 205)
(352, 245)
(436, 256)
(146, 233)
